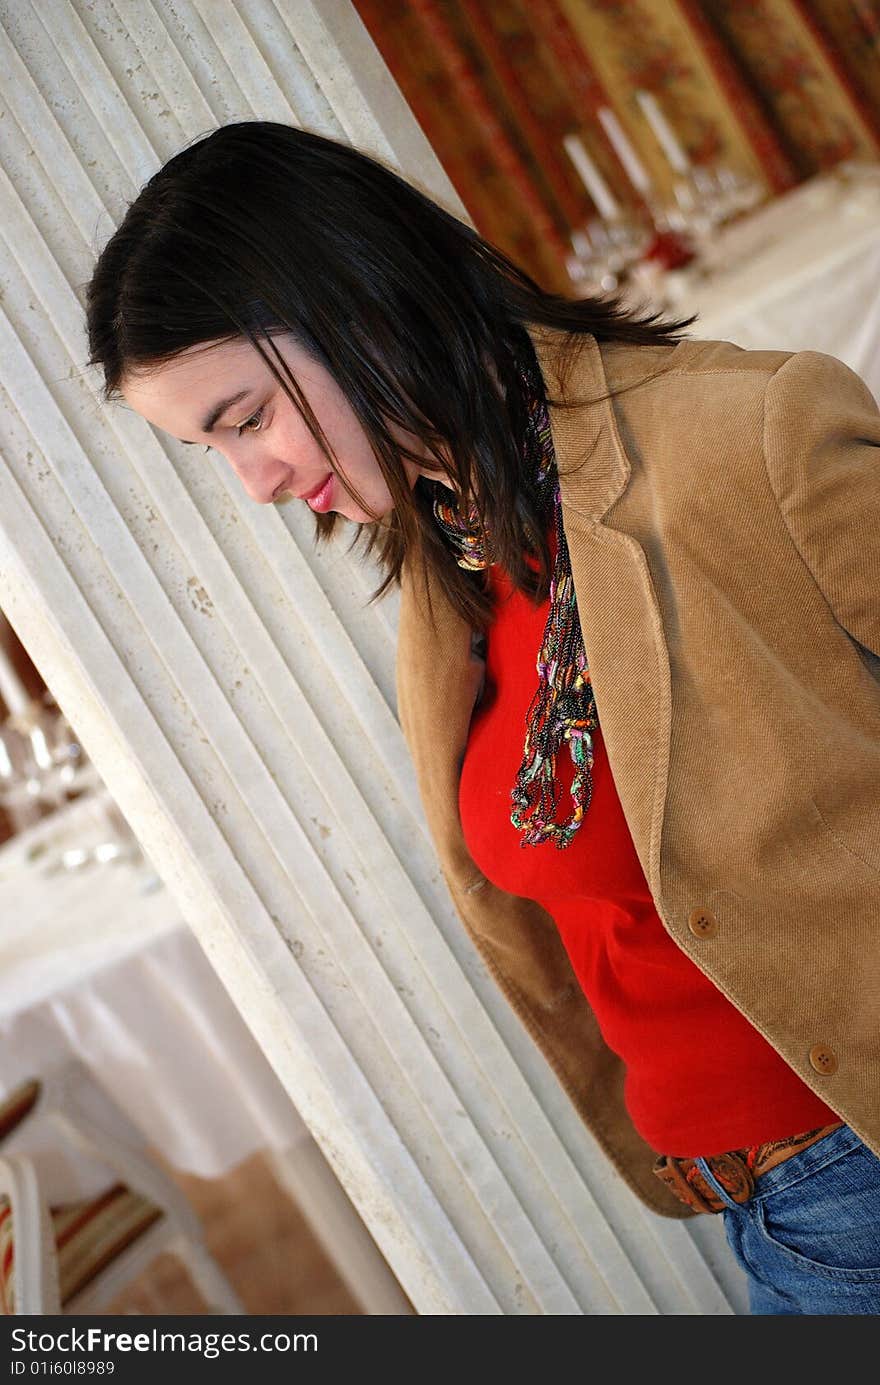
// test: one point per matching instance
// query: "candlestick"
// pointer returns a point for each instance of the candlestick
(635, 169)
(591, 178)
(663, 130)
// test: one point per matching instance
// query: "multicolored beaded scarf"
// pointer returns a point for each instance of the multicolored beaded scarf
(563, 709)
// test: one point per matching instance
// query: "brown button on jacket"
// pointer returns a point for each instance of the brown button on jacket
(723, 519)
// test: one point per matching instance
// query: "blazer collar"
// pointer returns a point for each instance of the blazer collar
(591, 459)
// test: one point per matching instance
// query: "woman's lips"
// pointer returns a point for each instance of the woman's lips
(319, 500)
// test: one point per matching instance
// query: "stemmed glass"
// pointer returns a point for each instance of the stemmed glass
(708, 197)
(102, 837)
(603, 250)
(42, 764)
(43, 768)
(624, 250)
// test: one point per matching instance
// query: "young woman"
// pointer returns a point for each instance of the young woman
(639, 653)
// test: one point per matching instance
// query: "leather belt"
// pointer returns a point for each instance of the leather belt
(735, 1171)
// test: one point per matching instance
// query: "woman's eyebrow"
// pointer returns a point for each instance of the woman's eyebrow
(217, 412)
(220, 409)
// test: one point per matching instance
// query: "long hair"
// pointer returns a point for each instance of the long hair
(260, 228)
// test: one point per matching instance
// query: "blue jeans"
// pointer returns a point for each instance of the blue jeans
(809, 1237)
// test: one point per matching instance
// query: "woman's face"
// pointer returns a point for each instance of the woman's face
(226, 397)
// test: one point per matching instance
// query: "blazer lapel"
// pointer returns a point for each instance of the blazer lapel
(617, 604)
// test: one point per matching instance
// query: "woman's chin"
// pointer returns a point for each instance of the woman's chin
(356, 515)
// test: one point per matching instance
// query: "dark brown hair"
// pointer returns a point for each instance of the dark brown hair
(260, 228)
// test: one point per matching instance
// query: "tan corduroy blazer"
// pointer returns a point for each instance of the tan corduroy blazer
(723, 520)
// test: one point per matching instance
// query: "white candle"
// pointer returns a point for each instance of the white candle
(592, 179)
(635, 169)
(664, 132)
(12, 690)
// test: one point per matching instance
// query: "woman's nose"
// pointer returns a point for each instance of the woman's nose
(260, 479)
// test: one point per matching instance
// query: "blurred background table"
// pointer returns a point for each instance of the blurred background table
(96, 963)
(800, 273)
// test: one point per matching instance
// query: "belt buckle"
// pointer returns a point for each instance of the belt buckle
(731, 1171)
(734, 1175)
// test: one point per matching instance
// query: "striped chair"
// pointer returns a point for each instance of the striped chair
(75, 1258)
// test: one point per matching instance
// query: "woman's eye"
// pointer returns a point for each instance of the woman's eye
(252, 424)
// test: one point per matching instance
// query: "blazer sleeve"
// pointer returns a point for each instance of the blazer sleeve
(822, 451)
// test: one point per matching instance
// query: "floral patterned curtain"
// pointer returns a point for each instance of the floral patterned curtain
(777, 90)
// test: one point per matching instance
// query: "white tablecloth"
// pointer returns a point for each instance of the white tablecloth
(802, 273)
(96, 963)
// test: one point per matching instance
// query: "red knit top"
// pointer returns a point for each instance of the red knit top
(699, 1078)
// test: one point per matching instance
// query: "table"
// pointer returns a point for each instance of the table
(97, 963)
(801, 273)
